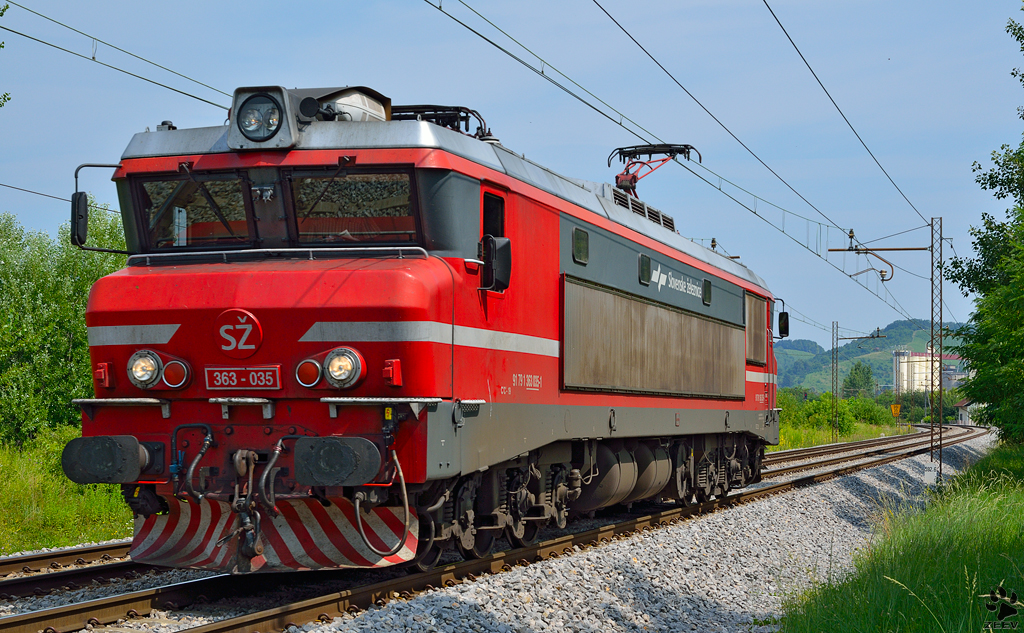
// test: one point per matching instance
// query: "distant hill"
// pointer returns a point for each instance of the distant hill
(804, 363)
(800, 345)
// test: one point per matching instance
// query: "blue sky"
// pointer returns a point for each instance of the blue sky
(926, 84)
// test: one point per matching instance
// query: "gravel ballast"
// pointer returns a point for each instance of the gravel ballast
(727, 571)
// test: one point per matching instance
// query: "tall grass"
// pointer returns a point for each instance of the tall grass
(803, 437)
(933, 569)
(40, 507)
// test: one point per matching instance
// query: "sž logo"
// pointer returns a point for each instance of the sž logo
(237, 333)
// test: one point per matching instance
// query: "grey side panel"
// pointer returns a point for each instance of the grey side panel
(614, 342)
(614, 263)
(444, 443)
(450, 205)
(496, 432)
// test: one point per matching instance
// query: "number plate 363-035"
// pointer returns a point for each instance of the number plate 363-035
(243, 377)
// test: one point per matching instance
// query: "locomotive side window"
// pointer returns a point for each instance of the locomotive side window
(644, 264)
(354, 207)
(195, 211)
(705, 293)
(494, 215)
(580, 246)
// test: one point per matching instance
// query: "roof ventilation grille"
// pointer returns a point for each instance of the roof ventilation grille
(620, 198)
(638, 207)
(668, 222)
(654, 215)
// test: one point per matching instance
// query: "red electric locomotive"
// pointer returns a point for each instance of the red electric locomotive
(350, 334)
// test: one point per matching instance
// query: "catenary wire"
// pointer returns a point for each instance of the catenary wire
(898, 307)
(716, 119)
(38, 193)
(46, 195)
(157, 83)
(622, 117)
(841, 112)
(879, 239)
(116, 48)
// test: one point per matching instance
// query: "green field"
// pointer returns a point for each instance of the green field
(40, 507)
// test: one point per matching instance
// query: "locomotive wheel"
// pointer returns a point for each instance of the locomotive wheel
(426, 558)
(483, 543)
(530, 532)
(426, 561)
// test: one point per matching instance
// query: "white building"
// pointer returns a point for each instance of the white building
(912, 371)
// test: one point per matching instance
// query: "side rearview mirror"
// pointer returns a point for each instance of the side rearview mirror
(497, 257)
(783, 324)
(79, 218)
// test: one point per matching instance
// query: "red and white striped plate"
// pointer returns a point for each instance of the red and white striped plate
(306, 535)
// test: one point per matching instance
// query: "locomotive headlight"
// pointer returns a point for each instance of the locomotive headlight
(343, 367)
(259, 118)
(144, 369)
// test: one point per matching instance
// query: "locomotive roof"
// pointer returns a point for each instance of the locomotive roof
(600, 198)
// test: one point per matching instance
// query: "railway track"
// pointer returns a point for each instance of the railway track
(176, 596)
(827, 449)
(878, 448)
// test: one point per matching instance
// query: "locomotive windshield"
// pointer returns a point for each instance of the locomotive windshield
(280, 209)
(197, 211)
(354, 208)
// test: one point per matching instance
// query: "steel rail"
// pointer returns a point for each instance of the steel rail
(176, 596)
(74, 578)
(917, 441)
(60, 558)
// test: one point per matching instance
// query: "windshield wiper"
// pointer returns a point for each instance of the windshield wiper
(326, 187)
(209, 199)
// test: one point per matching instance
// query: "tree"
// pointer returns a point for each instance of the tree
(5, 97)
(992, 342)
(859, 382)
(44, 354)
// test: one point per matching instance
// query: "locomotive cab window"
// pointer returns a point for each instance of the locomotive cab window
(180, 211)
(757, 330)
(347, 208)
(494, 215)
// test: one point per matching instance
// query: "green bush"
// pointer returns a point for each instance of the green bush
(44, 354)
(818, 414)
(868, 411)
